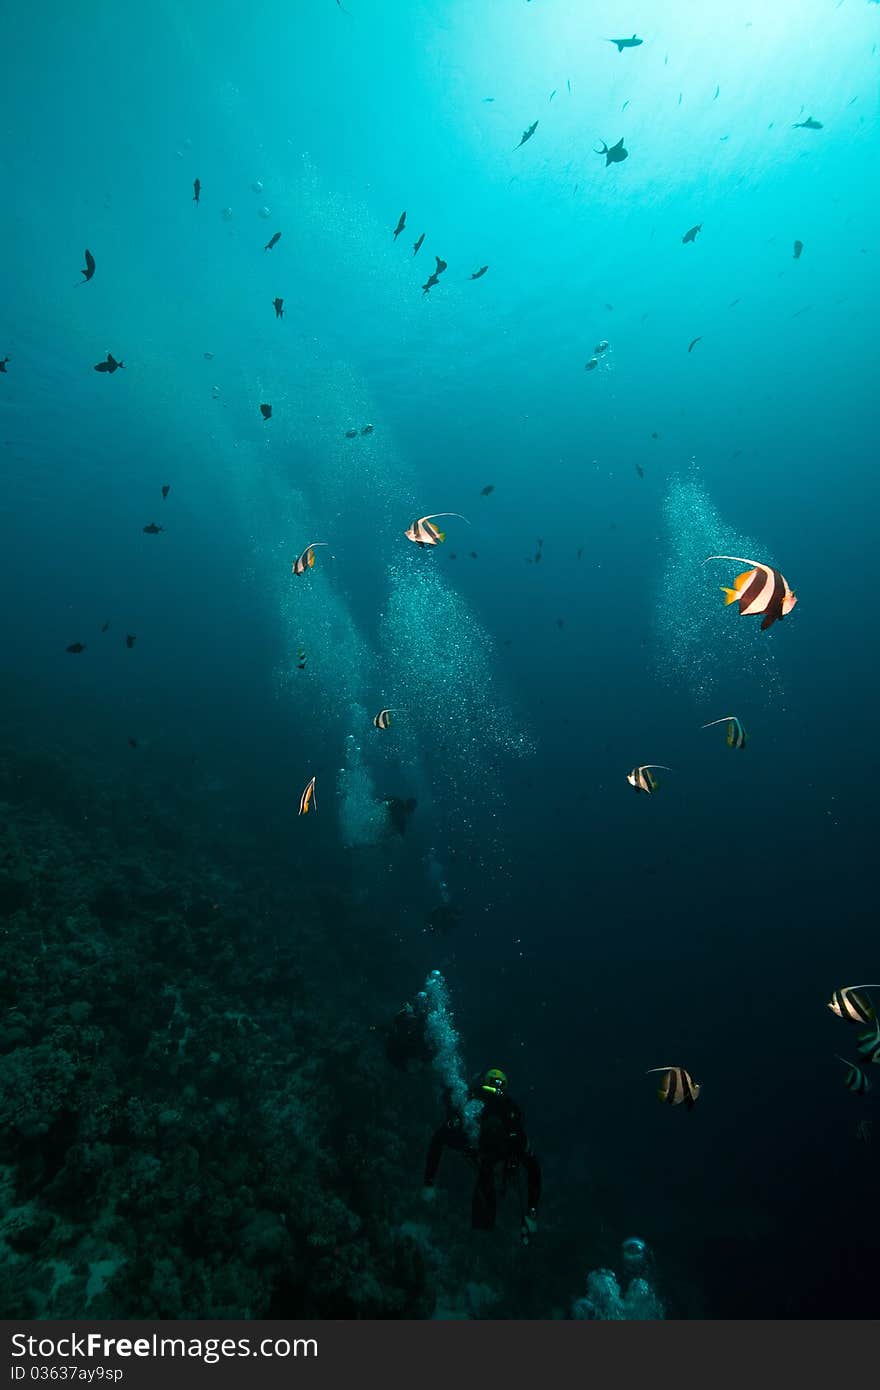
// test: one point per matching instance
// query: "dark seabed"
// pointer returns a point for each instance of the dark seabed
(211, 1102)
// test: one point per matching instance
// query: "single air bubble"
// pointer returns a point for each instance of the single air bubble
(226, 214)
(265, 212)
(634, 1252)
(257, 186)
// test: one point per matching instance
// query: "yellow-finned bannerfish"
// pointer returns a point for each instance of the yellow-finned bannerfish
(307, 800)
(383, 718)
(424, 532)
(855, 1079)
(759, 589)
(643, 779)
(676, 1087)
(306, 560)
(852, 1005)
(736, 734)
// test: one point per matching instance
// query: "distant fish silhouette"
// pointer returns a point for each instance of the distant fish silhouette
(691, 234)
(490, 487)
(418, 245)
(434, 278)
(273, 241)
(105, 626)
(278, 305)
(479, 273)
(266, 412)
(111, 365)
(809, 124)
(130, 640)
(401, 223)
(527, 134)
(693, 343)
(90, 267)
(3, 364)
(153, 529)
(798, 248)
(76, 648)
(197, 189)
(615, 155)
(626, 43)
(166, 488)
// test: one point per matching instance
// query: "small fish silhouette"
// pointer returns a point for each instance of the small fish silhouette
(273, 241)
(626, 43)
(615, 155)
(527, 134)
(197, 189)
(691, 234)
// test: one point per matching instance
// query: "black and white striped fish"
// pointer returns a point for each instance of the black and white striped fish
(869, 1045)
(424, 532)
(306, 560)
(643, 779)
(307, 800)
(736, 734)
(850, 1004)
(759, 589)
(383, 718)
(677, 1087)
(855, 1079)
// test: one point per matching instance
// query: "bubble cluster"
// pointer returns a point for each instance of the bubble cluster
(701, 644)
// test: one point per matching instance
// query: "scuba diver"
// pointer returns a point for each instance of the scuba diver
(407, 1045)
(501, 1144)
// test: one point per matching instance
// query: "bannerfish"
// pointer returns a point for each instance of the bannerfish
(90, 267)
(693, 343)
(401, 223)
(383, 718)
(852, 1005)
(307, 800)
(423, 531)
(736, 734)
(153, 529)
(306, 560)
(626, 43)
(266, 412)
(527, 134)
(367, 429)
(759, 589)
(434, 278)
(484, 492)
(808, 124)
(691, 234)
(417, 246)
(798, 248)
(644, 780)
(273, 241)
(130, 639)
(869, 1045)
(855, 1080)
(76, 648)
(278, 305)
(478, 274)
(615, 155)
(197, 189)
(676, 1087)
(111, 365)
(166, 488)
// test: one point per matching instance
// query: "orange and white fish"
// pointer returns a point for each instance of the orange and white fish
(643, 779)
(306, 560)
(307, 800)
(736, 734)
(423, 532)
(383, 718)
(677, 1086)
(759, 589)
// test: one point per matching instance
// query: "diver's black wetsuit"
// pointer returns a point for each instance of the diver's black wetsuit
(501, 1144)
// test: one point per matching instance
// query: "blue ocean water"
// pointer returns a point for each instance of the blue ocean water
(564, 633)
